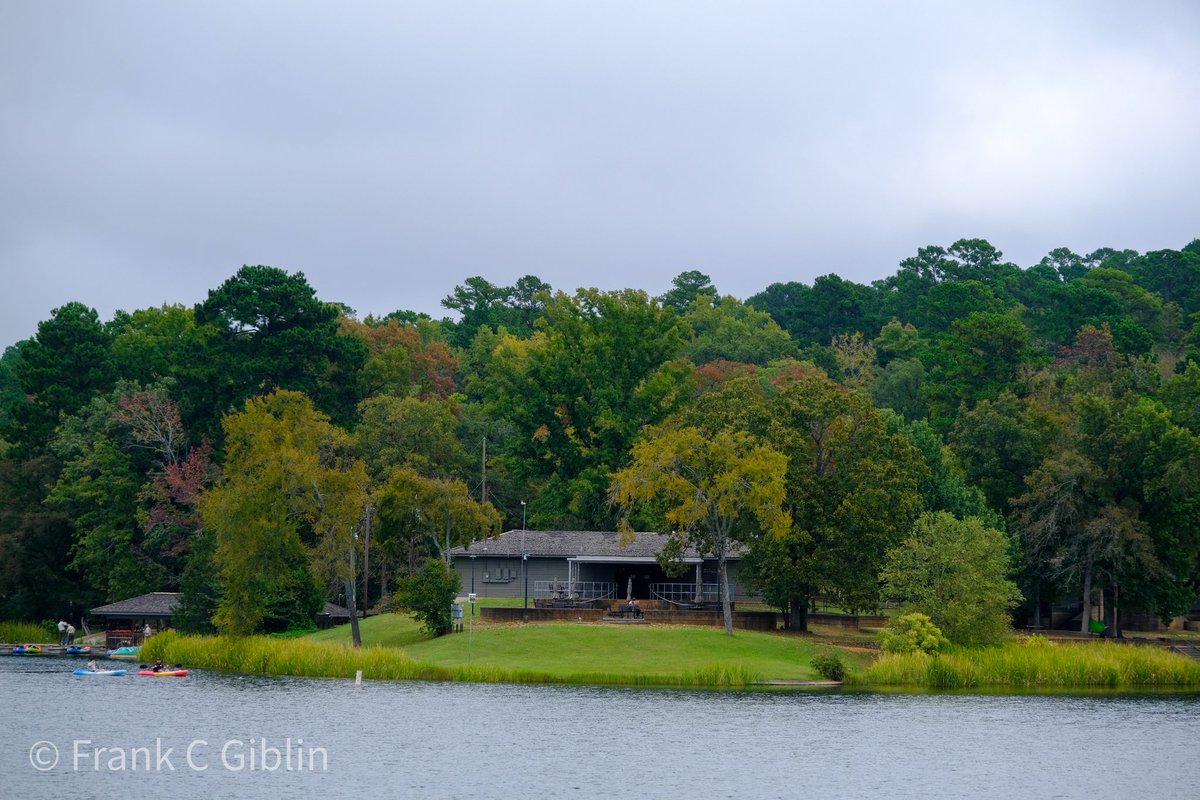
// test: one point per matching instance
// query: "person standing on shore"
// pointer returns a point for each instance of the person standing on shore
(62, 631)
(70, 633)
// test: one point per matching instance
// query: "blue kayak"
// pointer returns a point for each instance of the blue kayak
(99, 672)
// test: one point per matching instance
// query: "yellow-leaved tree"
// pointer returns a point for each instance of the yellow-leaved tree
(285, 515)
(712, 491)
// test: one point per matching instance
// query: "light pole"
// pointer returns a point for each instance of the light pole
(524, 557)
(472, 557)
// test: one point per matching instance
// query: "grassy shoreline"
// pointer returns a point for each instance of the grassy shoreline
(568, 653)
(22, 632)
(1021, 666)
(261, 655)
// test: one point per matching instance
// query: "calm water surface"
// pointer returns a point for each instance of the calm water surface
(430, 740)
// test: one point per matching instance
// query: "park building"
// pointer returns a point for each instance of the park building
(586, 567)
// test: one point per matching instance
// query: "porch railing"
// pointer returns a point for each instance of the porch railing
(577, 590)
(686, 593)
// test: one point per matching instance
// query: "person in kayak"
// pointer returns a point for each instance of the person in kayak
(92, 666)
(157, 666)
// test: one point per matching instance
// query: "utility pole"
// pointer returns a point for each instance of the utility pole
(524, 558)
(355, 635)
(483, 498)
(366, 595)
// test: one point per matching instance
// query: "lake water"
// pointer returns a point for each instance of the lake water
(212, 735)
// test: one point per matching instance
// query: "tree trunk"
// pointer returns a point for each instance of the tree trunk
(1087, 597)
(1116, 606)
(726, 606)
(798, 614)
(355, 635)
(1037, 604)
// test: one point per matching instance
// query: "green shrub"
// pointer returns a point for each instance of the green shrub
(912, 633)
(954, 571)
(429, 595)
(830, 666)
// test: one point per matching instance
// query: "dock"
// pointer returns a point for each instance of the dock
(98, 651)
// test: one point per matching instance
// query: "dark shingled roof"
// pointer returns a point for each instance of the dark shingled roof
(155, 603)
(568, 544)
(334, 610)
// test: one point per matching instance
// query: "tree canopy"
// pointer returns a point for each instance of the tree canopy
(264, 451)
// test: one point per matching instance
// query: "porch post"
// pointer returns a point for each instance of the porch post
(699, 585)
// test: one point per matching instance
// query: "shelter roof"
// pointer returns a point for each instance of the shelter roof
(154, 604)
(334, 610)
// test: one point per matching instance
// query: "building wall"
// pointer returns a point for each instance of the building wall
(491, 575)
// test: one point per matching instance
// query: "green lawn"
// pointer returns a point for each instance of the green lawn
(590, 653)
(385, 630)
(572, 649)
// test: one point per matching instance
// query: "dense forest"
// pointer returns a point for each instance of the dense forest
(264, 450)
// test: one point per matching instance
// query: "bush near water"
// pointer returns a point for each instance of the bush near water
(1036, 664)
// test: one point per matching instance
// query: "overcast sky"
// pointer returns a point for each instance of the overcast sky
(390, 150)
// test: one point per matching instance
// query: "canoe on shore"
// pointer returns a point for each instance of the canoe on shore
(130, 653)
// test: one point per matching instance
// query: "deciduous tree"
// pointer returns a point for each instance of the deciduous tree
(577, 395)
(852, 491)
(422, 517)
(715, 490)
(956, 572)
(284, 512)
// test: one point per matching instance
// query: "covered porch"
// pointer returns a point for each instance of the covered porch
(592, 580)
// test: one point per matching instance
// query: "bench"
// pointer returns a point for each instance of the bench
(705, 606)
(625, 612)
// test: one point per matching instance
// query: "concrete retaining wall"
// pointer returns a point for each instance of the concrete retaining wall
(500, 614)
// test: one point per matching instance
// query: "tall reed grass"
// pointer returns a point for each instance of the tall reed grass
(1035, 665)
(262, 655)
(25, 632)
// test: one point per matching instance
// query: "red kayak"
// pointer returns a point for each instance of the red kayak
(164, 673)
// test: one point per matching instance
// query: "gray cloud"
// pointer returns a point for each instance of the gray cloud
(389, 151)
